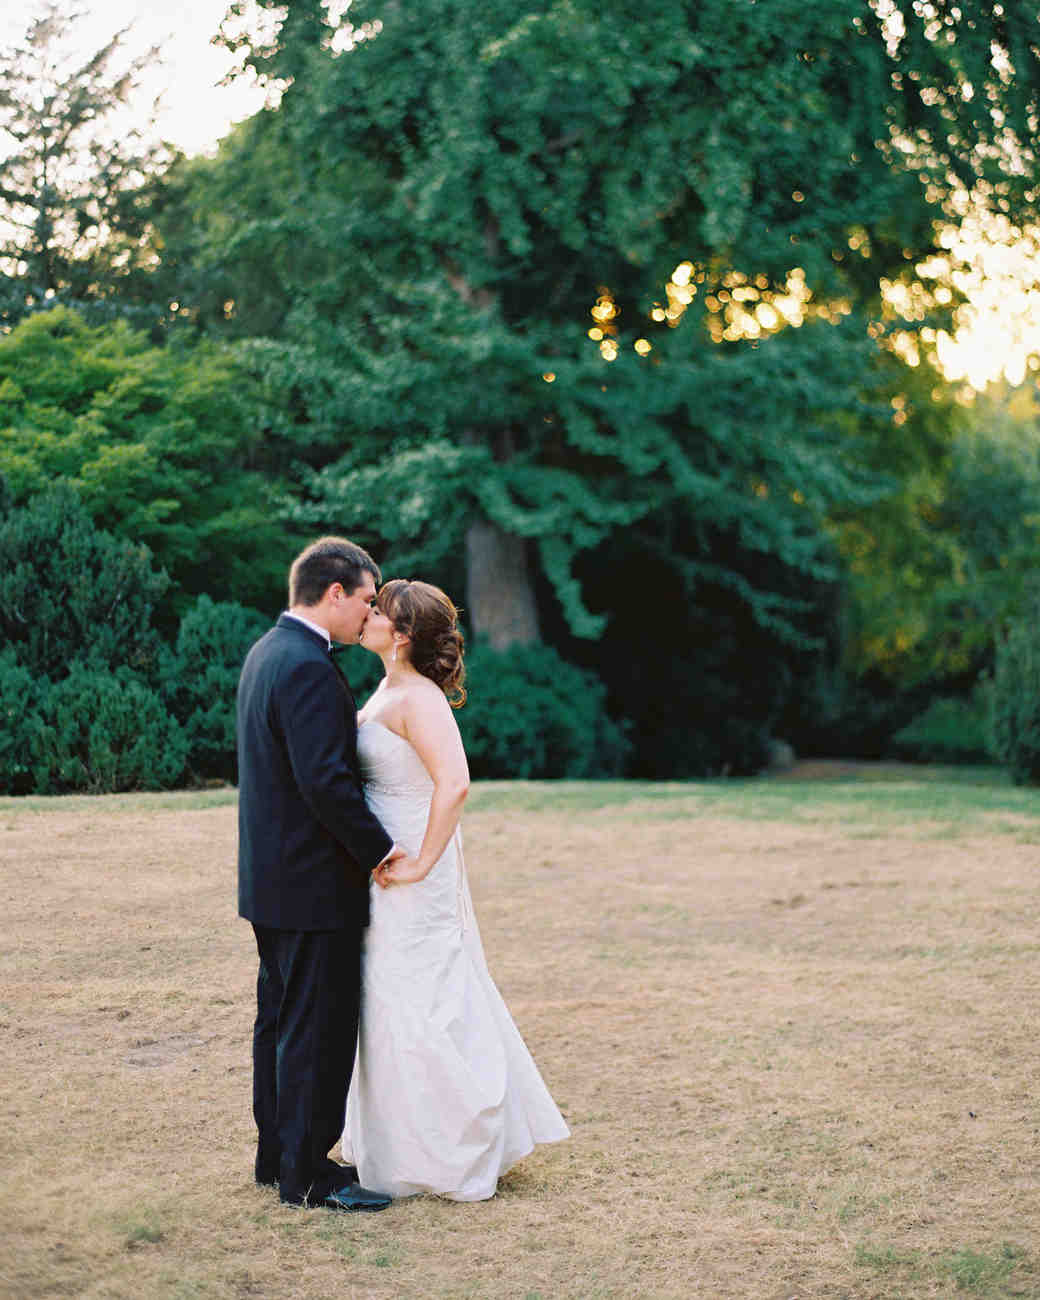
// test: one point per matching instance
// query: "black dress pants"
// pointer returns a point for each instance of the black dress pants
(308, 995)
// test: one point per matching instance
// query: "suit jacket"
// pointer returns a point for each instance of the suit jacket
(306, 839)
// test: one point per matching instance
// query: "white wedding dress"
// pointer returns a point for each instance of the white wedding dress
(445, 1096)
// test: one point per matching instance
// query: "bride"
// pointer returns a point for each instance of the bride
(444, 1097)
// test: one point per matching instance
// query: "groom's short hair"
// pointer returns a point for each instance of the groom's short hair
(328, 560)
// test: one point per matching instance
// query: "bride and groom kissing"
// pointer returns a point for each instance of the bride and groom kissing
(378, 1024)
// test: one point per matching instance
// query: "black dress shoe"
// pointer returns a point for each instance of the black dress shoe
(265, 1167)
(353, 1197)
(266, 1176)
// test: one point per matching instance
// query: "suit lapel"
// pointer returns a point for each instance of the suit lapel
(343, 678)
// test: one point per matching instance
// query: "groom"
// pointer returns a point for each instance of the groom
(307, 845)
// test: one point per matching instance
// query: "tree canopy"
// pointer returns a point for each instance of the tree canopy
(74, 221)
(164, 446)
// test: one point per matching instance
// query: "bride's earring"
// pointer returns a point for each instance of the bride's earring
(393, 654)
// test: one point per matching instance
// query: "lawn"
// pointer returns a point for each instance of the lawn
(791, 1023)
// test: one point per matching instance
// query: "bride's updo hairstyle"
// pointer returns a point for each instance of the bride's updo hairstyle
(427, 617)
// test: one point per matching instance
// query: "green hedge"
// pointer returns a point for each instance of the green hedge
(200, 678)
(105, 732)
(22, 728)
(532, 715)
(1015, 699)
(950, 730)
(70, 591)
(92, 731)
(79, 670)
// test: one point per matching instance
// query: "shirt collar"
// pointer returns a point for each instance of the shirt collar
(314, 627)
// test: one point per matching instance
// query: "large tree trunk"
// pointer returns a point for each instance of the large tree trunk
(499, 594)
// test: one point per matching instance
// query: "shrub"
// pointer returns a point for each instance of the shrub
(1015, 699)
(950, 730)
(70, 591)
(22, 729)
(104, 732)
(530, 714)
(80, 654)
(200, 679)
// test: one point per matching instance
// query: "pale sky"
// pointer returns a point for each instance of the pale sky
(999, 330)
(195, 111)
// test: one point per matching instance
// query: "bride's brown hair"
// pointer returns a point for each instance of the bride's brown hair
(429, 619)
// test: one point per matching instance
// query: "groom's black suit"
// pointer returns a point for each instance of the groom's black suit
(307, 843)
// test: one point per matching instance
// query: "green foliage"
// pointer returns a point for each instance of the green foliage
(950, 730)
(411, 505)
(1015, 697)
(419, 230)
(104, 732)
(992, 510)
(163, 446)
(22, 728)
(71, 591)
(200, 679)
(93, 730)
(562, 181)
(607, 451)
(580, 136)
(582, 160)
(941, 562)
(80, 656)
(530, 715)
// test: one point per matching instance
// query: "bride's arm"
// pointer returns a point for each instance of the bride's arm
(428, 724)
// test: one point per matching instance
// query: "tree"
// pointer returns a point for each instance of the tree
(164, 446)
(73, 220)
(482, 173)
(442, 203)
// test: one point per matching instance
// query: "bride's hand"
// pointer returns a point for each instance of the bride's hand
(399, 871)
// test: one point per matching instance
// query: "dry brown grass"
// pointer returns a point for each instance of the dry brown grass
(798, 1055)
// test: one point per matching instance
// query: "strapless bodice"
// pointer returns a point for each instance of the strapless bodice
(389, 765)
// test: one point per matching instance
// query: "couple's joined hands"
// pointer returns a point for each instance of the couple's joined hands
(397, 868)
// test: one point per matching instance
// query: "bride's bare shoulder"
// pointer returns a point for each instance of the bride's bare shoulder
(426, 699)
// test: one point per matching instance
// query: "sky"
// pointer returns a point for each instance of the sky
(194, 110)
(999, 332)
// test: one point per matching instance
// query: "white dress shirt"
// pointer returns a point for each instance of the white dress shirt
(314, 627)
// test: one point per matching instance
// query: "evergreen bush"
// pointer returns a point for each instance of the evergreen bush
(1014, 721)
(531, 715)
(69, 591)
(103, 732)
(81, 656)
(22, 729)
(200, 679)
(950, 730)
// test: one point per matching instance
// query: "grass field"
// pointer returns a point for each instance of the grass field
(792, 1024)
